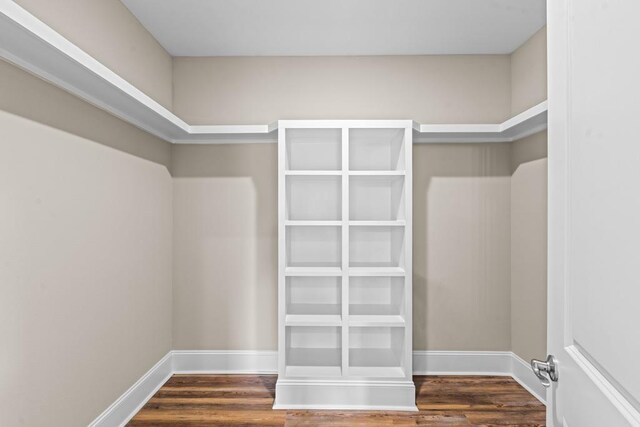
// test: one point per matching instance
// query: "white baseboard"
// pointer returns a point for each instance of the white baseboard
(503, 363)
(127, 405)
(521, 372)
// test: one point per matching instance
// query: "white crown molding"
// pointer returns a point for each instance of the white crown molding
(496, 363)
(34, 46)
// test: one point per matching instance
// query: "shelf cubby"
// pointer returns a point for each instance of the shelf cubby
(314, 198)
(313, 149)
(373, 149)
(376, 247)
(376, 198)
(313, 300)
(313, 351)
(376, 351)
(313, 247)
(376, 296)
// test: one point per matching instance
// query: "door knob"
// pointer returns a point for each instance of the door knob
(546, 371)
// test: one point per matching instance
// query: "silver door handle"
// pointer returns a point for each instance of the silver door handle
(548, 367)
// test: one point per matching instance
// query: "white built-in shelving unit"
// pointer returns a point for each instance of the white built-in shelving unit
(345, 265)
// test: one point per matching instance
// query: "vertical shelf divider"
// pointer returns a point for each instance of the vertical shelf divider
(345, 252)
(282, 292)
(408, 253)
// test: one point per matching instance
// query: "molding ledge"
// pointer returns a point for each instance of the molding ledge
(32, 45)
(520, 126)
(498, 363)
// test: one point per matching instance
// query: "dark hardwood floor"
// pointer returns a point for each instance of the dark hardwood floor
(245, 400)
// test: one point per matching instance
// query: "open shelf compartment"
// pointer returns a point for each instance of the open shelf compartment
(313, 351)
(313, 149)
(376, 247)
(376, 300)
(376, 198)
(316, 198)
(314, 300)
(313, 247)
(377, 149)
(376, 352)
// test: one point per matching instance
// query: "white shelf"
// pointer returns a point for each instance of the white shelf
(34, 46)
(373, 309)
(313, 320)
(376, 173)
(376, 271)
(313, 223)
(312, 173)
(376, 320)
(313, 271)
(304, 309)
(397, 223)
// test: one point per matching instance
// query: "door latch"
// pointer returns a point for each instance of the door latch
(546, 371)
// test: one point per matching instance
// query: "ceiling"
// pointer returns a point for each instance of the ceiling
(339, 27)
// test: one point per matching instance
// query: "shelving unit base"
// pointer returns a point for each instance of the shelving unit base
(345, 395)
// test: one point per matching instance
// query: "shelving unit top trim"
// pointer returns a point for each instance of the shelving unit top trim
(353, 124)
(34, 46)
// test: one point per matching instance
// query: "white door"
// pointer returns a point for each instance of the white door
(594, 212)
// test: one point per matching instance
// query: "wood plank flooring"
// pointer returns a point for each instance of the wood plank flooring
(245, 400)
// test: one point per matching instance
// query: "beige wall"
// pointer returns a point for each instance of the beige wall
(529, 205)
(106, 30)
(85, 274)
(225, 197)
(461, 247)
(529, 73)
(254, 90)
(529, 247)
(225, 247)
(28, 96)
(225, 222)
